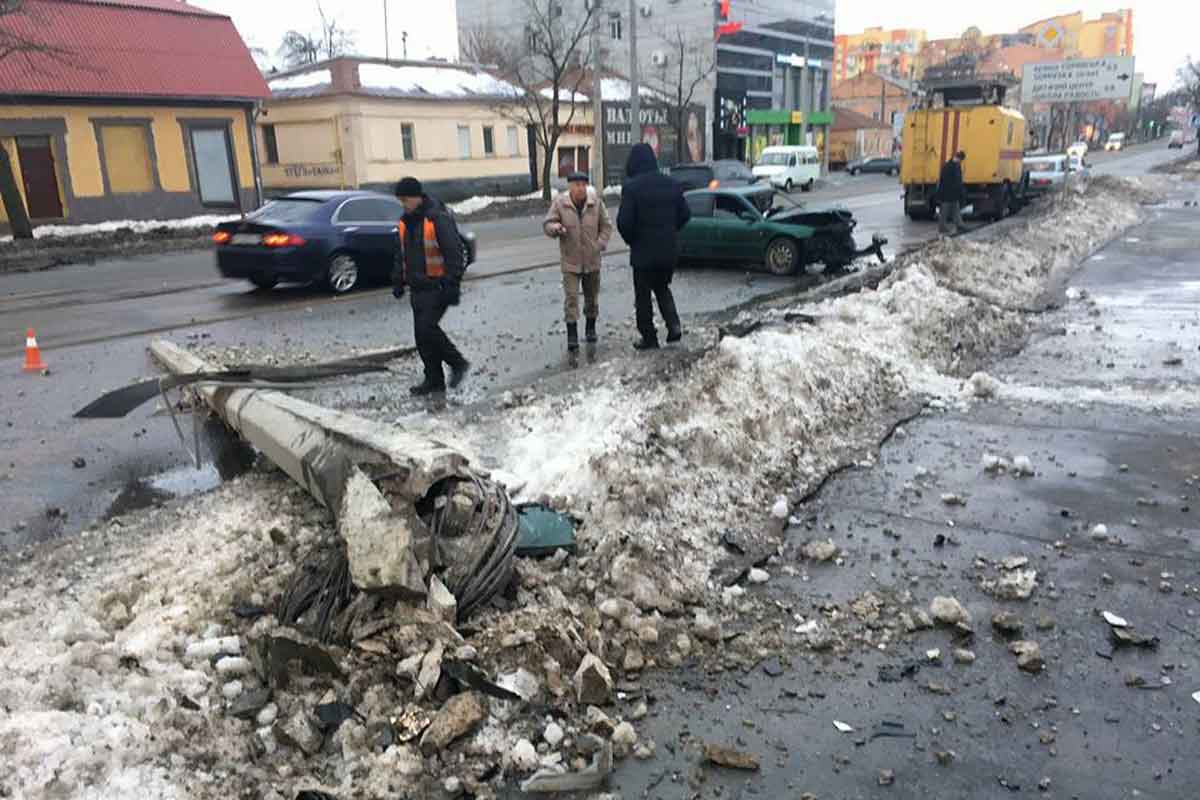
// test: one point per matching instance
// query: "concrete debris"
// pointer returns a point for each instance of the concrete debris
(624, 737)
(1014, 562)
(728, 757)
(589, 779)
(598, 722)
(824, 550)
(634, 660)
(1022, 466)
(1114, 620)
(1015, 584)
(993, 463)
(299, 732)
(388, 548)
(781, 509)
(963, 656)
(205, 649)
(234, 665)
(593, 682)
(952, 499)
(705, 628)
(1029, 655)
(982, 386)
(523, 757)
(945, 757)
(461, 714)
(757, 575)
(916, 620)
(645, 751)
(1100, 532)
(441, 602)
(430, 672)
(553, 735)
(843, 727)
(249, 704)
(948, 611)
(1008, 623)
(232, 690)
(887, 777)
(522, 683)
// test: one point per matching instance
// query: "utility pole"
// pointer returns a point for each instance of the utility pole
(635, 118)
(404, 44)
(598, 177)
(387, 42)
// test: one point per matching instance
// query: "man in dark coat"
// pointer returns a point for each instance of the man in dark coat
(652, 212)
(951, 194)
(430, 262)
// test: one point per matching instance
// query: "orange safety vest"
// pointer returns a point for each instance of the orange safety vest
(435, 264)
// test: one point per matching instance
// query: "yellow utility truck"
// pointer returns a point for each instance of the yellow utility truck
(964, 112)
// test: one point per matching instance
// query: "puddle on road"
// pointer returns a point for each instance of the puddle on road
(226, 457)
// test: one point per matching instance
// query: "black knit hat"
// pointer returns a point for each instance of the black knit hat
(409, 187)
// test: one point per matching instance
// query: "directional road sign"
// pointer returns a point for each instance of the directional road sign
(1078, 81)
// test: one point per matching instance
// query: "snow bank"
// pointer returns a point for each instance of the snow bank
(660, 466)
(135, 225)
(305, 80)
(473, 205)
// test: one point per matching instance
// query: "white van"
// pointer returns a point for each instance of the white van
(788, 166)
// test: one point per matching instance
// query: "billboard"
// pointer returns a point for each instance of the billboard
(659, 130)
(1078, 81)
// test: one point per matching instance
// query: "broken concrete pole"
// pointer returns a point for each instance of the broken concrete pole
(593, 682)
(461, 715)
(338, 458)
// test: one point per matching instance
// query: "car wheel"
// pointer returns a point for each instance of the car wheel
(808, 187)
(264, 281)
(892, 172)
(854, 173)
(787, 186)
(344, 274)
(782, 257)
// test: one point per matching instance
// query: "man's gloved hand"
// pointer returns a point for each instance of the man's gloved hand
(451, 292)
(397, 292)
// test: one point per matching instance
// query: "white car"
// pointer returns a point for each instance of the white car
(1078, 149)
(788, 166)
(1047, 173)
(1116, 141)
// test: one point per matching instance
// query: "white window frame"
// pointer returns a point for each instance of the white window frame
(468, 155)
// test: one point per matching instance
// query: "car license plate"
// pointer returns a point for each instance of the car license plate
(246, 238)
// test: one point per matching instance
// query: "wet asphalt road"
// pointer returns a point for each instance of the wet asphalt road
(94, 322)
(1077, 728)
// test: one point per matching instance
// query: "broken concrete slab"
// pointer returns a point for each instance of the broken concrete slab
(593, 777)
(441, 602)
(388, 547)
(461, 714)
(948, 611)
(593, 682)
(728, 757)
(1029, 655)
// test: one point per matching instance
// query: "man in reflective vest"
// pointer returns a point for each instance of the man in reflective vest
(429, 261)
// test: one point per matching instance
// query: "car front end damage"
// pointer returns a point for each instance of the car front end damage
(831, 240)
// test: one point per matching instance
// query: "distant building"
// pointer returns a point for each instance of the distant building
(365, 123)
(1109, 35)
(137, 109)
(875, 50)
(877, 97)
(858, 136)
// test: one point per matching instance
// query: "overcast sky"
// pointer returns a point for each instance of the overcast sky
(1163, 29)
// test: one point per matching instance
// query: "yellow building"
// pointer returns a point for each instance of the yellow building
(876, 50)
(366, 123)
(1109, 35)
(103, 123)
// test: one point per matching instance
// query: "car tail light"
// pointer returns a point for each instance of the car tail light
(222, 237)
(714, 183)
(282, 240)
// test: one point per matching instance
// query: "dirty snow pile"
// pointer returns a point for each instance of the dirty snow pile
(473, 205)
(138, 226)
(1015, 267)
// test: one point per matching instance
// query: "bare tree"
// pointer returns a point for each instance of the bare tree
(298, 49)
(545, 63)
(335, 40)
(688, 65)
(18, 39)
(482, 46)
(1189, 79)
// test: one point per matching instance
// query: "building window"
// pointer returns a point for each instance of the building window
(464, 141)
(514, 141)
(127, 159)
(572, 159)
(407, 141)
(489, 141)
(271, 144)
(614, 26)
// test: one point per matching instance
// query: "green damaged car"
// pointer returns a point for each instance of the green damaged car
(743, 225)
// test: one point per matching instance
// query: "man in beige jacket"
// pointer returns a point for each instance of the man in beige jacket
(579, 220)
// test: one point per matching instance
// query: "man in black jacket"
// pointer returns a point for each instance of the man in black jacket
(951, 193)
(429, 261)
(652, 212)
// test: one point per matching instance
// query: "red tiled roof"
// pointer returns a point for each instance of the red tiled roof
(128, 49)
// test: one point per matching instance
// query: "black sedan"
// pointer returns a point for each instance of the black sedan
(713, 174)
(342, 239)
(884, 166)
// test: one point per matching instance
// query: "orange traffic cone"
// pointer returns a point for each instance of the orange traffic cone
(33, 356)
